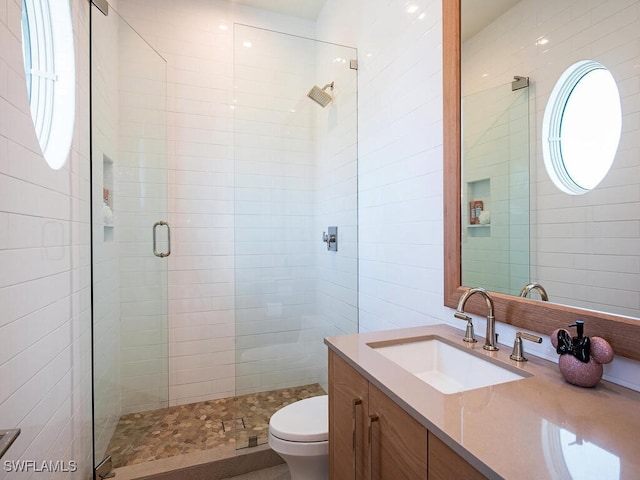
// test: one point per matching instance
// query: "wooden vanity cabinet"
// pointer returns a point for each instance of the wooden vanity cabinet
(398, 444)
(373, 438)
(348, 414)
(445, 464)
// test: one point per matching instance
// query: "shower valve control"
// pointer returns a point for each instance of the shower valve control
(331, 239)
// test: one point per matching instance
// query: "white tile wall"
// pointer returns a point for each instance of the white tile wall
(45, 334)
(584, 248)
(400, 157)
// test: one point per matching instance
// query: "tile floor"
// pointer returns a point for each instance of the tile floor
(158, 434)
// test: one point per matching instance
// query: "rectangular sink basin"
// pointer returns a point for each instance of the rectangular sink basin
(446, 367)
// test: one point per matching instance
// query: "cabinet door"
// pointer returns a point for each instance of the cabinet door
(445, 464)
(348, 392)
(398, 447)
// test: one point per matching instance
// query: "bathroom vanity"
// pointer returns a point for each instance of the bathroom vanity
(390, 421)
(399, 442)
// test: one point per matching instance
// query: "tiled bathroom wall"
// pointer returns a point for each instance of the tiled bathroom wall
(584, 247)
(399, 156)
(45, 326)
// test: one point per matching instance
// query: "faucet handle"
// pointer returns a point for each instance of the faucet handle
(469, 334)
(518, 351)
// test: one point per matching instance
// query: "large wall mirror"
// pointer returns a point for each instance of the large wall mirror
(584, 249)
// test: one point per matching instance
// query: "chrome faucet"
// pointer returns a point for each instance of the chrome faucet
(535, 286)
(490, 342)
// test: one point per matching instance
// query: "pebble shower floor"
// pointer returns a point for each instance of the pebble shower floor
(156, 434)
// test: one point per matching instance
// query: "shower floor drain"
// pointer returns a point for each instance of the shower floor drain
(235, 424)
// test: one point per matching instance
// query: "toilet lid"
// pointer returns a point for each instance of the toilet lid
(302, 421)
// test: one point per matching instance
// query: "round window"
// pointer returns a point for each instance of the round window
(47, 46)
(581, 127)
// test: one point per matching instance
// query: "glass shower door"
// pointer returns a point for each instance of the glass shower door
(295, 178)
(130, 236)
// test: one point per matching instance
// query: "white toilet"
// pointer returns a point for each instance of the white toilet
(299, 433)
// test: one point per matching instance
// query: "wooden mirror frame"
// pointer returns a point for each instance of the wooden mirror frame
(543, 317)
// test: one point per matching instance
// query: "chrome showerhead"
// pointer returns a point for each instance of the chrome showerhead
(320, 96)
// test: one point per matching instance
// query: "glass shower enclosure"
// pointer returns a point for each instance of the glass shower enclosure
(278, 269)
(295, 175)
(130, 233)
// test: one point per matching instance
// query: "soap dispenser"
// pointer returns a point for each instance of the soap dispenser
(581, 358)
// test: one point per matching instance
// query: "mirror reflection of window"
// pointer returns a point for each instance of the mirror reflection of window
(581, 127)
(566, 454)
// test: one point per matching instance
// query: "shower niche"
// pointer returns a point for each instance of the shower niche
(478, 215)
(108, 200)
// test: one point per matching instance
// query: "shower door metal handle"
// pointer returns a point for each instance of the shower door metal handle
(155, 250)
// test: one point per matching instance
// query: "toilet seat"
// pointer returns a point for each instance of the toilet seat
(305, 421)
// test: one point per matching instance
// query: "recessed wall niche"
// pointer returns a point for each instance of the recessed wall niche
(107, 198)
(477, 215)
